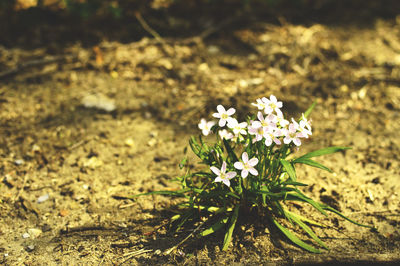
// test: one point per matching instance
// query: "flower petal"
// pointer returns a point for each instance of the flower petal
(223, 167)
(220, 109)
(231, 120)
(260, 116)
(245, 173)
(297, 141)
(268, 141)
(215, 170)
(273, 99)
(253, 171)
(253, 161)
(231, 111)
(216, 115)
(245, 157)
(287, 140)
(239, 165)
(218, 179)
(231, 175)
(226, 182)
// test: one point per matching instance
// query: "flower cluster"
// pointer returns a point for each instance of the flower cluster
(269, 126)
(259, 150)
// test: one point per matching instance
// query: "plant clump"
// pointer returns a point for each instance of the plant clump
(250, 167)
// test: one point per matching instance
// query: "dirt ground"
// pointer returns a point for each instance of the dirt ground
(67, 167)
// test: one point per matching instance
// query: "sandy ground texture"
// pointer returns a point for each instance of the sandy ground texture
(85, 127)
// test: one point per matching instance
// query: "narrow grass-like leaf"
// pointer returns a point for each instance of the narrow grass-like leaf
(312, 163)
(175, 217)
(179, 193)
(299, 197)
(304, 219)
(323, 151)
(294, 238)
(183, 163)
(212, 209)
(184, 218)
(228, 148)
(215, 227)
(329, 208)
(228, 234)
(306, 229)
(309, 110)
(289, 169)
(293, 183)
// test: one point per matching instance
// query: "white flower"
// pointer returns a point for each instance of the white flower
(269, 120)
(247, 165)
(205, 126)
(260, 103)
(272, 104)
(237, 128)
(221, 175)
(281, 120)
(271, 135)
(291, 135)
(225, 134)
(257, 130)
(224, 116)
(305, 127)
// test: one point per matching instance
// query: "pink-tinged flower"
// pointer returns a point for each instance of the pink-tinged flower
(223, 115)
(225, 134)
(268, 121)
(260, 103)
(281, 121)
(205, 126)
(272, 104)
(222, 176)
(237, 128)
(271, 135)
(305, 126)
(291, 135)
(247, 165)
(257, 130)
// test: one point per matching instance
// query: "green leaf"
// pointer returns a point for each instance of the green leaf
(229, 232)
(289, 169)
(308, 111)
(178, 193)
(312, 163)
(299, 197)
(329, 208)
(293, 183)
(323, 151)
(183, 219)
(231, 153)
(304, 219)
(294, 238)
(215, 227)
(183, 163)
(306, 229)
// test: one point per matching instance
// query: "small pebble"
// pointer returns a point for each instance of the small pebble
(30, 248)
(129, 142)
(43, 198)
(26, 235)
(19, 162)
(34, 232)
